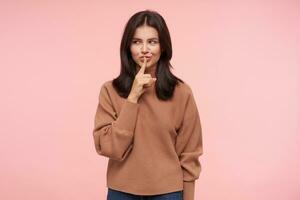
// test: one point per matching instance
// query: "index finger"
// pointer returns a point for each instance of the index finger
(143, 67)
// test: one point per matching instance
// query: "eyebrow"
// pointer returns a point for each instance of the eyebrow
(141, 39)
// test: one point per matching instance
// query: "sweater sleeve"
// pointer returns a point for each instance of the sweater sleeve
(113, 135)
(189, 147)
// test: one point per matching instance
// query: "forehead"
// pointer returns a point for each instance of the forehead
(144, 32)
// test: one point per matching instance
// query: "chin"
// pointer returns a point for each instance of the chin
(148, 64)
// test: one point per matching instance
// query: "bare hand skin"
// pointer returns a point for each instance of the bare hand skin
(140, 83)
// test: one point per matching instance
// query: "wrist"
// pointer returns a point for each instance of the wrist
(132, 99)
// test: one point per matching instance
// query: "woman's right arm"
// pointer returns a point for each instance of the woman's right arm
(113, 135)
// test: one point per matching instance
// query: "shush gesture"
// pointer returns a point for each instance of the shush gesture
(140, 83)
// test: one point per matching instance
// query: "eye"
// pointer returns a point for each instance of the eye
(135, 41)
(153, 42)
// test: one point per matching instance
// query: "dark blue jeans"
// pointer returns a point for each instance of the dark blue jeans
(118, 195)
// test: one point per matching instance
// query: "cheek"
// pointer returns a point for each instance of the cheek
(156, 50)
(134, 51)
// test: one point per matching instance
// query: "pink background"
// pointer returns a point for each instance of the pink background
(241, 58)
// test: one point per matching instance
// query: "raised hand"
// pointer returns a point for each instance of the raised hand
(140, 83)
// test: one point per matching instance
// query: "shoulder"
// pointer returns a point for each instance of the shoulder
(183, 89)
(105, 88)
(106, 85)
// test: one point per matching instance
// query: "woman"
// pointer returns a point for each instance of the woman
(147, 122)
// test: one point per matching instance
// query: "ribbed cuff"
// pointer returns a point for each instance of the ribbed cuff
(128, 115)
(188, 190)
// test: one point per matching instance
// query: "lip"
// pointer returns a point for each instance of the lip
(142, 58)
(145, 56)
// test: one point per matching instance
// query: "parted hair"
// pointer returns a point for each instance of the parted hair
(166, 81)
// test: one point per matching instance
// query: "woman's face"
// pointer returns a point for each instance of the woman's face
(145, 43)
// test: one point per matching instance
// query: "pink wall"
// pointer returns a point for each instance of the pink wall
(242, 60)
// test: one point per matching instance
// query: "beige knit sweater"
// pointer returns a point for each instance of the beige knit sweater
(153, 146)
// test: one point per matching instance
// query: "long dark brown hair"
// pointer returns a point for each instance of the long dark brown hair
(166, 81)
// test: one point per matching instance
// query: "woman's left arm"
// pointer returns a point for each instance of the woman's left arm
(189, 147)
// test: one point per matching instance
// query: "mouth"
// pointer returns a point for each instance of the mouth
(142, 58)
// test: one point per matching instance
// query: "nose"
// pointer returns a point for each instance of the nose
(144, 48)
